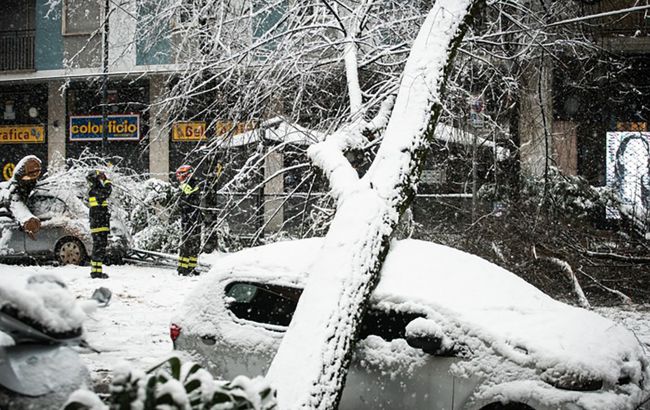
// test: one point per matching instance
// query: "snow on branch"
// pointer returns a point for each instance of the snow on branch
(408, 130)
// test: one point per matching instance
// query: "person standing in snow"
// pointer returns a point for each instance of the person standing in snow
(100, 188)
(190, 220)
(13, 200)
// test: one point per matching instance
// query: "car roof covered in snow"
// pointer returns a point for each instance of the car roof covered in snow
(469, 295)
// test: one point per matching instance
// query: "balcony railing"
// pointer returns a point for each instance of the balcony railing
(16, 50)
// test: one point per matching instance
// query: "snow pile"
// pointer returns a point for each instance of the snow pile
(44, 300)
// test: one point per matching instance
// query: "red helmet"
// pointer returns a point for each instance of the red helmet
(184, 172)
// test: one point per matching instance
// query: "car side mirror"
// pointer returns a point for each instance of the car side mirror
(428, 336)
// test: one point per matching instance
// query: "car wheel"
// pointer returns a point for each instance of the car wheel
(70, 251)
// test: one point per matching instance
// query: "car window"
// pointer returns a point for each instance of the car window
(388, 325)
(263, 303)
(46, 206)
(274, 305)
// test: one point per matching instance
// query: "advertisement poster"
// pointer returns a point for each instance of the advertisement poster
(125, 127)
(628, 159)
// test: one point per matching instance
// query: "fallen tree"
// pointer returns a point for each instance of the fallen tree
(312, 374)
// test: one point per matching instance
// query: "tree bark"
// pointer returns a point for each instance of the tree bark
(311, 365)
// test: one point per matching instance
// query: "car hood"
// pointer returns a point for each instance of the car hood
(472, 297)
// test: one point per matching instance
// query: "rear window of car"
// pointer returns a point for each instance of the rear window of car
(275, 305)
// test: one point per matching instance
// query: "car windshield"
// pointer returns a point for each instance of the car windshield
(45, 207)
(274, 305)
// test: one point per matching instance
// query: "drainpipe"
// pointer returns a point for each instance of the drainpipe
(104, 88)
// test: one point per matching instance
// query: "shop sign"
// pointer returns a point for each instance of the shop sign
(224, 127)
(632, 126)
(22, 134)
(188, 131)
(8, 171)
(125, 127)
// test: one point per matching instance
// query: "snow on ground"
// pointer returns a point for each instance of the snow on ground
(134, 327)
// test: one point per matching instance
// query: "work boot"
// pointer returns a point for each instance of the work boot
(99, 275)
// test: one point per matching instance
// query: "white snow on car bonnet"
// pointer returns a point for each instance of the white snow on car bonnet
(50, 304)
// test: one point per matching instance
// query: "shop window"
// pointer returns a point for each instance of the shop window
(81, 17)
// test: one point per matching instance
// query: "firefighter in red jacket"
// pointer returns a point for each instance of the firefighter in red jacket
(100, 188)
(190, 208)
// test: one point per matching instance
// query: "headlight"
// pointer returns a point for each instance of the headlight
(572, 381)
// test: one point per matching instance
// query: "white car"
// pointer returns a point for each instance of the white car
(445, 330)
(65, 231)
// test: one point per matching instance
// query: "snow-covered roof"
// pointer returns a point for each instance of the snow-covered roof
(276, 129)
(455, 135)
(280, 130)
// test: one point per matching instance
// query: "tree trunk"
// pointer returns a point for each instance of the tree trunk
(310, 367)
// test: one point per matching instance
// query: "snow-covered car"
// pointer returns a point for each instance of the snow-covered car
(41, 330)
(445, 330)
(65, 232)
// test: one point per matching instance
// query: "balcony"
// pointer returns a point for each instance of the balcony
(16, 50)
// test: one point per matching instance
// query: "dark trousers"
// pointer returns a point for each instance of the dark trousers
(100, 241)
(189, 248)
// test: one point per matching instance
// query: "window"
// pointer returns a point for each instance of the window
(274, 305)
(388, 325)
(46, 207)
(263, 303)
(81, 17)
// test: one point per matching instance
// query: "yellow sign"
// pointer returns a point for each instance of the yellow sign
(188, 131)
(22, 134)
(632, 126)
(224, 127)
(8, 171)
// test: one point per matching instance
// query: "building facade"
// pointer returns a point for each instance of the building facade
(61, 78)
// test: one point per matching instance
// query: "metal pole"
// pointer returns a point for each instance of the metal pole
(104, 88)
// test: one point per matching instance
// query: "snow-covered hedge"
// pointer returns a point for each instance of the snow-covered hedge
(558, 193)
(176, 385)
(146, 205)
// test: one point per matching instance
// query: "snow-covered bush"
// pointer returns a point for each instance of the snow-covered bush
(147, 206)
(566, 194)
(176, 385)
(153, 220)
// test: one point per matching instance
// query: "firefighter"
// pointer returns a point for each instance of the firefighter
(190, 220)
(13, 200)
(100, 188)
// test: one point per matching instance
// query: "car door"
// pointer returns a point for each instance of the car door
(255, 318)
(47, 209)
(13, 238)
(385, 371)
